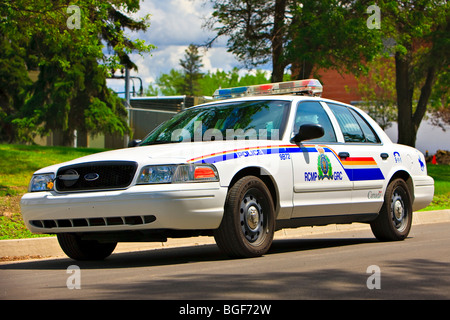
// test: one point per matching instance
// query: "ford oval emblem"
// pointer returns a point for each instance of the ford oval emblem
(91, 176)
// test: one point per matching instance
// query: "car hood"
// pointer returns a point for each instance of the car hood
(171, 153)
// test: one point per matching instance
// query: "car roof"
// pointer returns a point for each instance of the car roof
(284, 97)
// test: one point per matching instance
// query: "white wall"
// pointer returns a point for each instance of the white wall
(429, 137)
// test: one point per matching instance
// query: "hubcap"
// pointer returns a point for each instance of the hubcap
(251, 218)
(399, 211)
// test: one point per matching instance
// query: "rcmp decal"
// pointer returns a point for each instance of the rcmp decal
(324, 166)
(324, 169)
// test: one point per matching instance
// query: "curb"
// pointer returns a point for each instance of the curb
(48, 247)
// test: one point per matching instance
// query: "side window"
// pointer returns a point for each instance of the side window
(312, 112)
(353, 127)
(369, 133)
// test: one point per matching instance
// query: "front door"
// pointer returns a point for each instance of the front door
(321, 185)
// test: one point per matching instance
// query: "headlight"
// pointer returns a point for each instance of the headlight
(42, 182)
(156, 174)
(178, 174)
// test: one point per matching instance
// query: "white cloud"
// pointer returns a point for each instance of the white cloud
(176, 22)
(217, 58)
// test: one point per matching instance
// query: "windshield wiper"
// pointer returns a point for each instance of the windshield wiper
(150, 143)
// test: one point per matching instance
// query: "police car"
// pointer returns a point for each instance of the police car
(256, 160)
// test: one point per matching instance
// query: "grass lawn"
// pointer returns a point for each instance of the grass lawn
(441, 176)
(19, 162)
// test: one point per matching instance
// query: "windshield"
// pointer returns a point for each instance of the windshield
(250, 120)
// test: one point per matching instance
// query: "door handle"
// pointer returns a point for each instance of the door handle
(384, 155)
(344, 155)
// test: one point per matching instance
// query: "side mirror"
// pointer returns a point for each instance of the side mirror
(134, 143)
(307, 132)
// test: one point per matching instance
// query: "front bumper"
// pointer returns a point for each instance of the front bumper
(194, 206)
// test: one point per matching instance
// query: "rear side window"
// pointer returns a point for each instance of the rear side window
(369, 133)
(353, 126)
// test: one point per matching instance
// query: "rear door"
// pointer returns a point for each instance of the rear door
(363, 158)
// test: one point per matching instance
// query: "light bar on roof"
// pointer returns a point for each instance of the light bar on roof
(311, 87)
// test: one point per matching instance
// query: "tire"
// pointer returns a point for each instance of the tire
(78, 249)
(247, 227)
(395, 218)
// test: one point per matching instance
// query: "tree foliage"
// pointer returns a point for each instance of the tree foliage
(172, 83)
(330, 34)
(421, 31)
(311, 35)
(72, 48)
(189, 80)
(377, 91)
(191, 65)
(304, 35)
(249, 27)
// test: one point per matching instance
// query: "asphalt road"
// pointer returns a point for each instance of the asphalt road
(339, 265)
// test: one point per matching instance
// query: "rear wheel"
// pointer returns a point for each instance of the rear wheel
(78, 249)
(247, 226)
(395, 218)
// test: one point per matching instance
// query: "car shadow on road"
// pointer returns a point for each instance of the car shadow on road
(180, 255)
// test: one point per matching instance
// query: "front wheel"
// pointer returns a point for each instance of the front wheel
(395, 217)
(247, 227)
(76, 248)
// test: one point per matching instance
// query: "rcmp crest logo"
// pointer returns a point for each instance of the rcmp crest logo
(324, 166)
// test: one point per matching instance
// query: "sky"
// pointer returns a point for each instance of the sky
(174, 24)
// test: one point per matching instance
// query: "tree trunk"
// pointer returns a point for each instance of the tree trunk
(301, 70)
(409, 122)
(425, 94)
(406, 129)
(277, 41)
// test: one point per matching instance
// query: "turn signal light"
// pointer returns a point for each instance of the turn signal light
(204, 172)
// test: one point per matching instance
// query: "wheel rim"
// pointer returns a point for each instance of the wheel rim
(400, 214)
(252, 218)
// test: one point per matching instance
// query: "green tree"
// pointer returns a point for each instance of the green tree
(421, 31)
(256, 31)
(305, 35)
(440, 101)
(221, 79)
(330, 34)
(172, 83)
(167, 84)
(14, 84)
(180, 82)
(377, 91)
(191, 67)
(66, 44)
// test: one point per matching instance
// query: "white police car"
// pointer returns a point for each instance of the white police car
(258, 159)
